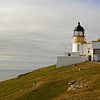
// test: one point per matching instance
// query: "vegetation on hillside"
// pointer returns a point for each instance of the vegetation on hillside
(51, 83)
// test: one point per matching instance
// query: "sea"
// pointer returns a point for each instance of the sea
(10, 74)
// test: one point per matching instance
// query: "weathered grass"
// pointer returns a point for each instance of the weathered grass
(51, 83)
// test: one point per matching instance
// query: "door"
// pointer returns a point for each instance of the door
(89, 58)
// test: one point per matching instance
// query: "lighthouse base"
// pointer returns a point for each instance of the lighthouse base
(70, 58)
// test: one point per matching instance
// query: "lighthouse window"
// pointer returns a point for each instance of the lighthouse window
(88, 50)
(78, 47)
(69, 54)
(79, 33)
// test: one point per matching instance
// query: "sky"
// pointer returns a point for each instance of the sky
(49, 16)
(31, 30)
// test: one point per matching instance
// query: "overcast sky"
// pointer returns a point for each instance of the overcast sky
(38, 28)
(49, 16)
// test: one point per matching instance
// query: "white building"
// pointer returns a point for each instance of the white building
(81, 50)
(96, 50)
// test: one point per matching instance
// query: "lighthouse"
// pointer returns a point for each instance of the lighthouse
(81, 49)
(78, 39)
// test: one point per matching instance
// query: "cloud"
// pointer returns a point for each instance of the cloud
(48, 16)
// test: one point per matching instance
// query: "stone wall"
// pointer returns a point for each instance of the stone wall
(64, 60)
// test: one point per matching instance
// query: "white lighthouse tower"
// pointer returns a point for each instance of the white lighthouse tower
(78, 39)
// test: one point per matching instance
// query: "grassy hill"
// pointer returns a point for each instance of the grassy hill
(51, 83)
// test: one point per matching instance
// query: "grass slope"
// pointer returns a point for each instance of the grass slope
(51, 83)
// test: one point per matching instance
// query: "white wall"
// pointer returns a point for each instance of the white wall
(88, 51)
(75, 47)
(96, 45)
(64, 60)
(96, 58)
(72, 54)
(81, 48)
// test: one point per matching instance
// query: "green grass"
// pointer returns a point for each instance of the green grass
(51, 83)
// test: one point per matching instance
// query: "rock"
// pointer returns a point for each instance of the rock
(34, 83)
(69, 89)
(74, 85)
(71, 82)
(74, 65)
(79, 69)
(74, 89)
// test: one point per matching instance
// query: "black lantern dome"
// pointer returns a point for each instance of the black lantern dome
(79, 30)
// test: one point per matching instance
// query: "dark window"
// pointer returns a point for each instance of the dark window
(69, 54)
(88, 50)
(89, 58)
(96, 51)
(78, 47)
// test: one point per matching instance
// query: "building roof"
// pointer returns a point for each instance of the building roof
(98, 40)
(79, 28)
